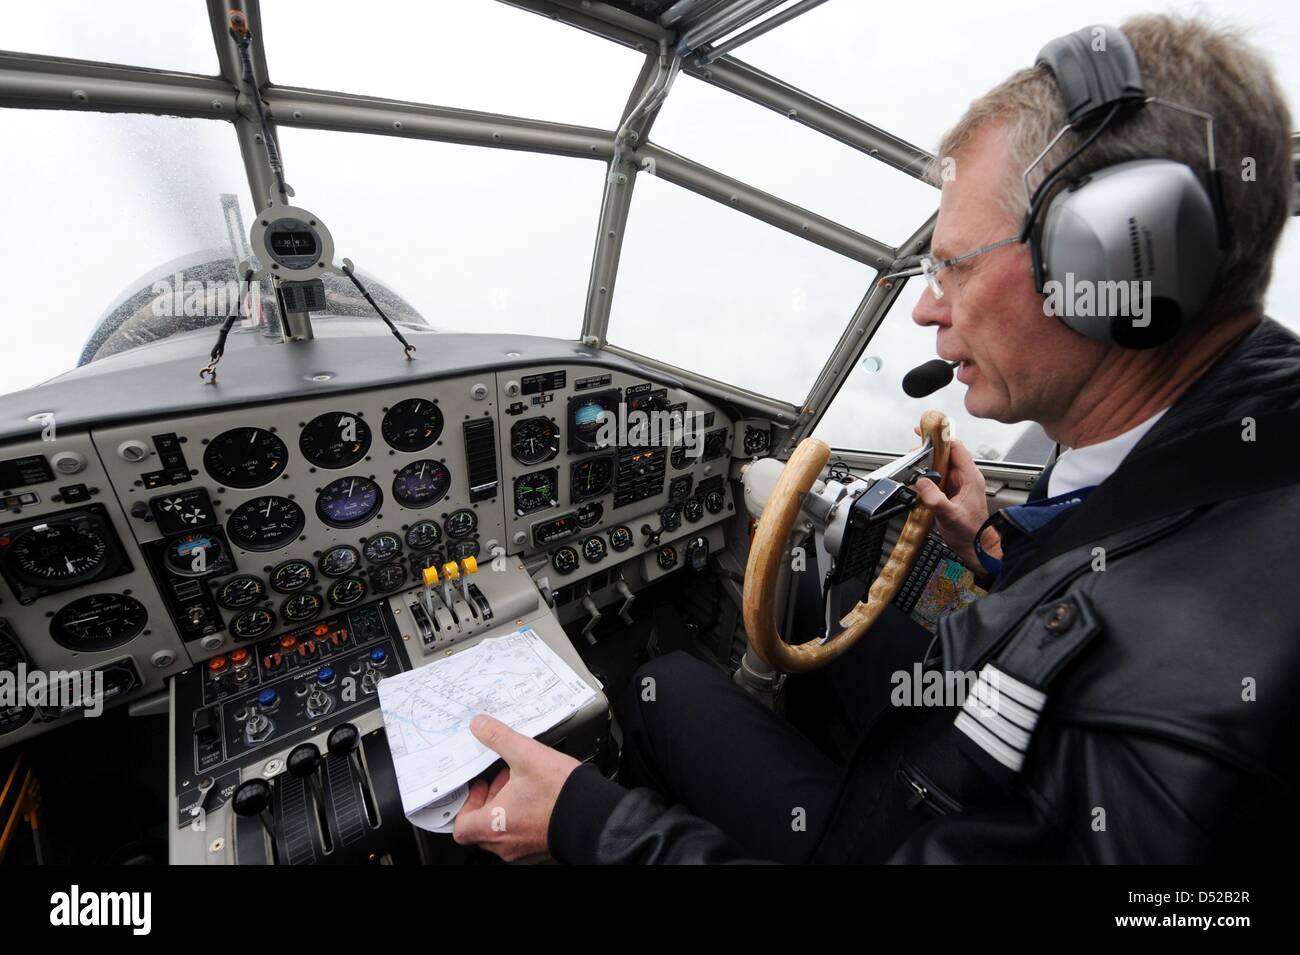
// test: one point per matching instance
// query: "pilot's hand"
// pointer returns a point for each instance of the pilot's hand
(959, 513)
(510, 818)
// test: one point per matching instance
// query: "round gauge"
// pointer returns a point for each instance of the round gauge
(536, 491)
(194, 555)
(593, 548)
(433, 558)
(337, 439)
(98, 622)
(460, 523)
(757, 441)
(63, 554)
(346, 592)
(245, 457)
(667, 557)
(348, 501)
(679, 457)
(382, 548)
(421, 483)
(591, 478)
(302, 607)
(292, 575)
(389, 577)
(589, 514)
(621, 537)
(265, 523)
(252, 624)
(670, 517)
(462, 549)
(412, 425)
(241, 591)
(693, 509)
(422, 535)
(339, 560)
(534, 440)
(715, 501)
(565, 560)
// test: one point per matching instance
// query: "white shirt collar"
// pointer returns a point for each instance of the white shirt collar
(1088, 466)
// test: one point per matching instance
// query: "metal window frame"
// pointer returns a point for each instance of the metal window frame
(48, 82)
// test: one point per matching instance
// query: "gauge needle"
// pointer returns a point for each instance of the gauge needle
(269, 505)
(68, 562)
(351, 486)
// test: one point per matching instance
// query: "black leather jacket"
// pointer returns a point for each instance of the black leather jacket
(1170, 676)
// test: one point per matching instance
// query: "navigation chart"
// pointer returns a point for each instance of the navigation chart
(516, 678)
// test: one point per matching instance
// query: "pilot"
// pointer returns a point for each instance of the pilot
(1137, 655)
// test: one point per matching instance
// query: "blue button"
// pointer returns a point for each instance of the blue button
(378, 655)
(268, 697)
(325, 676)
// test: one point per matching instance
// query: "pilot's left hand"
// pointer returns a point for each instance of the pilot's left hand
(510, 817)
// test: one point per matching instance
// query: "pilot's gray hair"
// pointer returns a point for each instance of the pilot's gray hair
(1186, 61)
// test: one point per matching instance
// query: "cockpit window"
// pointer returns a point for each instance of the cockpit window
(718, 292)
(165, 36)
(871, 413)
(769, 151)
(485, 56)
(477, 240)
(101, 206)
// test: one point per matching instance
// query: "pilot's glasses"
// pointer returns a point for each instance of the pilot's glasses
(930, 267)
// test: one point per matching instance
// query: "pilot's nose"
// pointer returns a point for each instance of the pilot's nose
(930, 311)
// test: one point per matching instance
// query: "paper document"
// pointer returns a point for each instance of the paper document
(516, 678)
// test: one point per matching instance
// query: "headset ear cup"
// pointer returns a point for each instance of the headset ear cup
(1130, 252)
(1163, 320)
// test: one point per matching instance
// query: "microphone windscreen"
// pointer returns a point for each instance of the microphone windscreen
(928, 378)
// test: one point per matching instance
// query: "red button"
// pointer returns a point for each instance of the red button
(217, 664)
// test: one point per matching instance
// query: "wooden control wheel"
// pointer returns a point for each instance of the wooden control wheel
(770, 547)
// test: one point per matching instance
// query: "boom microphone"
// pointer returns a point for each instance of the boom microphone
(928, 378)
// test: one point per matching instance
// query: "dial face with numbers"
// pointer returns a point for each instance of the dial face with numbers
(348, 501)
(593, 548)
(346, 591)
(534, 440)
(421, 483)
(252, 624)
(265, 523)
(382, 548)
(245, 457)
(412, 425)
(460, 523)
(98, 622)
(339, 560)
(58, 553)
(241, 591)
(292, 575)
(334, 440)
(302, 607)
(423, 535)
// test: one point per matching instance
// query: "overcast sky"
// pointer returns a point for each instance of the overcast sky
(491, 240)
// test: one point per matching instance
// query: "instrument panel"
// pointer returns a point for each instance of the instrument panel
(151, 546)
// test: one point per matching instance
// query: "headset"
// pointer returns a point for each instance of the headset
(1128, 224)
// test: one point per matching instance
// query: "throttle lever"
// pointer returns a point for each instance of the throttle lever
(589, 605)
(628, 597)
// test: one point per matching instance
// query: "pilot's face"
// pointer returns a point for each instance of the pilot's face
(1018, 364)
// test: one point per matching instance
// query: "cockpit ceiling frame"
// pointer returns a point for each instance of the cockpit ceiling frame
(47, 82)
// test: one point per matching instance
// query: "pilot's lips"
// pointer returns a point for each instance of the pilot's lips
(965, 371)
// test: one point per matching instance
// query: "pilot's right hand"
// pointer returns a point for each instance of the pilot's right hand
(960, 511)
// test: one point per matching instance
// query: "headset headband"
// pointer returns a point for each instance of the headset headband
(1095, 69)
